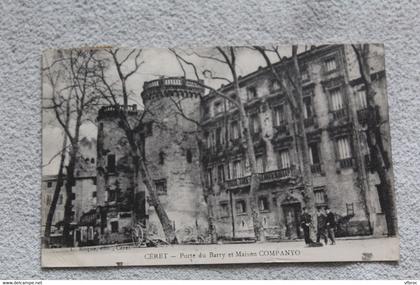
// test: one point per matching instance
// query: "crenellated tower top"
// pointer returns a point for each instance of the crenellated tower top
(172, 86)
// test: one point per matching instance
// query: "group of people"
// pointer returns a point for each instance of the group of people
(325, 226)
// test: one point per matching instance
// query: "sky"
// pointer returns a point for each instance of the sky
(155, 63)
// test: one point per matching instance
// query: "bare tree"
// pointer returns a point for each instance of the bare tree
(113, 92)
(74, 69)
(228, 57)
(53, 81)
(291, 80)
(380, 160)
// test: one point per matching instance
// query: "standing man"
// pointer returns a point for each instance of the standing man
(321, 226)
(305, 223)
(330, 225)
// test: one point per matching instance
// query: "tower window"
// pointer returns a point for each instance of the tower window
(160, 185)
(189, 156)
(161, 158)
(114, 227)
(111, 163)
(49, 184)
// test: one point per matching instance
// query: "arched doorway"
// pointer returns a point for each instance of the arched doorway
(291, 211)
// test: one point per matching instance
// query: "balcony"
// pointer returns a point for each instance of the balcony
(346, 162)
(114, 110)
(178, 86)
(281, 128)
(316, 168)
(339, 114)
(266, 177)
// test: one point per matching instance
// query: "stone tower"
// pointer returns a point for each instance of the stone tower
(171, 104)
(118, 204)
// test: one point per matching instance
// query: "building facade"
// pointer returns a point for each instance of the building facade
(335, 120)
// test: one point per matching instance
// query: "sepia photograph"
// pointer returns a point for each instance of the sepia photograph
(241, 154)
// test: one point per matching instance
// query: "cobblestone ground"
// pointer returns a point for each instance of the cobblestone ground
(356, 249)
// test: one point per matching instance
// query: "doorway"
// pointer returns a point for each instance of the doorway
(292, 220)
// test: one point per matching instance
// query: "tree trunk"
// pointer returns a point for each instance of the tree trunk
(142, 171)
(155, 202)
(57, 191)
(309, 196)
(255, 179)
(374, 139)
(70, 182)
(207, 191)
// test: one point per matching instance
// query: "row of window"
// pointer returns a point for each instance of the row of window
(241, 206)
(219, 135)
(330, 65)
(240, 168)
(264, 204)
(161, 159)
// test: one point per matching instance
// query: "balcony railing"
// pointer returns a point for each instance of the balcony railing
(339, 114)
(178, 86)
(346, 162)
(172, 82)
(316, 168)
(116, 109)
(265, 177)
(281, 128)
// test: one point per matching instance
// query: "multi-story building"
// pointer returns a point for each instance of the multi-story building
(334, 118)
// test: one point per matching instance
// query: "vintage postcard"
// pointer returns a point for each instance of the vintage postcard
(216, 155)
